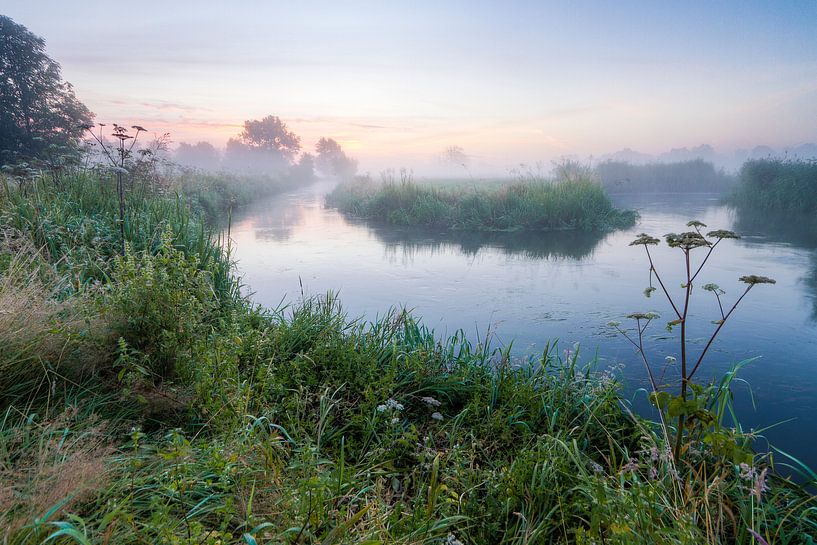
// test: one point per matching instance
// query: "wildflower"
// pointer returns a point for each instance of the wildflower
(644, 239)
(381, 408)
(713, 288)
(753, 279)
(430, 401)
(653, 474)
(722, 233)
(395, 420)
(436, 416)
(630, 467)
(686, 241)
(452, 540)
(670, 360)
(643, 316)
(654, 454)
(746, 472)
(614, 324)
(649, 291)
(760, 485)
(596, 468)
(695, 224)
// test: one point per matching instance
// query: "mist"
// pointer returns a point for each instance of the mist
(436, 273)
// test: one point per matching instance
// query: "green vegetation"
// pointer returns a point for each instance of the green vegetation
(683, 176)
(784, 186)
(215, 194)
(531, 205)
(144, 400)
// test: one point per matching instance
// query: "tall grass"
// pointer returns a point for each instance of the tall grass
(784, 186)
(206, 420)
(684, 176)
(528, 205)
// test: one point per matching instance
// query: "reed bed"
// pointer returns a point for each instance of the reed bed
(531, 205)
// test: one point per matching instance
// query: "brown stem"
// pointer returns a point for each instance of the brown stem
(681, 418)
(661, 283)
(717, 330)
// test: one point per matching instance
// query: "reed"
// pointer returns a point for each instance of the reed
(536, 205)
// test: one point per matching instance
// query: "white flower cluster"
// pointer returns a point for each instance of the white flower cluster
(390, 404)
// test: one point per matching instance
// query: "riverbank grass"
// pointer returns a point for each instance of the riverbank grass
(531, 205)
(147, 401)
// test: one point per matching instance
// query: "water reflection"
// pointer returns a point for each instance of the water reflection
(533, 245)
(535, 287)
(798, 231)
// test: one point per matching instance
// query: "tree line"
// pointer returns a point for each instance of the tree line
(44, 125)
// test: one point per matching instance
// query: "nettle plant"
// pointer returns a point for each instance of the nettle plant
(695, 409)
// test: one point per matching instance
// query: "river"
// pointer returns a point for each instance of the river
(531, 288)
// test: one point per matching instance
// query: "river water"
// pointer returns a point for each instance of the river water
(531, 288)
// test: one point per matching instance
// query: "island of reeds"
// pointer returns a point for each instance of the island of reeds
(526, 205)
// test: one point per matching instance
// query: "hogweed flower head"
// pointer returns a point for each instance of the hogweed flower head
(753, 279)
(643, 316)
(695, 224)
(686, 241)
(723, 233)
(644, 240)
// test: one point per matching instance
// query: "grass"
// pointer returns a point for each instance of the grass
(530, 205)
(783, 186)
(216, 194)
(682, 176)
(150, 403)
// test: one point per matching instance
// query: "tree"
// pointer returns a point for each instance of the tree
(265, 145)
(200, 155)
(38, 110)
(331, 159)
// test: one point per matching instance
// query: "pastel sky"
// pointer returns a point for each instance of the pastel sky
(398, 82)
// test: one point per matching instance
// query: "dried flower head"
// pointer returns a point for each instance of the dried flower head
(713, 288)
(753, 279)
(722, 233)
(695, 224)
(649, 291)
(686, 241)
(643, 315)
(644, 239)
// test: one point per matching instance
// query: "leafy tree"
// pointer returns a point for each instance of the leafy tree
(39, 112)
(331, 159)
(265, 145)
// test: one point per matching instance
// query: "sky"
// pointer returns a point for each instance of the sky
(396, 83)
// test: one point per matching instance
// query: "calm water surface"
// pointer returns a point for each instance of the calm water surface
(529, 288)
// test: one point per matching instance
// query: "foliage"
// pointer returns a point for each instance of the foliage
(212, 421)
(265, 145)
(331, 160)
(40, 117)
(526, 205)
(778, 186)
(692, 408)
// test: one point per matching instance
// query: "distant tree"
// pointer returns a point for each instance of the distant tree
(304, 169)
(39, 112)
(455, 155)
(331, 160)
(265, 145)
(200, 155)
